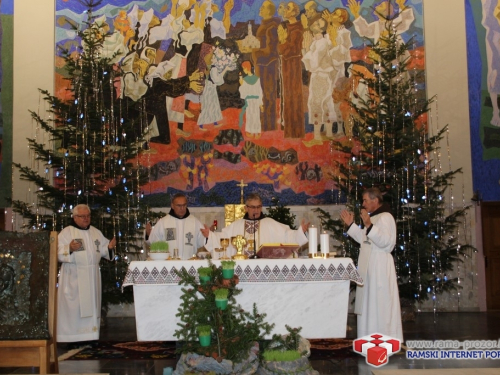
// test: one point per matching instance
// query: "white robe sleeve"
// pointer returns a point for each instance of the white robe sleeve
(383, 232)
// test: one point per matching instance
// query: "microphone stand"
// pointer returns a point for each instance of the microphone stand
(254, 256)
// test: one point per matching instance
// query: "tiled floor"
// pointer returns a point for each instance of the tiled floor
(427, 326)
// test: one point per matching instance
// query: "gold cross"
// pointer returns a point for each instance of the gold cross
(241, 185)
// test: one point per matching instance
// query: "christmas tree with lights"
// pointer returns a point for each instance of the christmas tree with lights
(391, 146)
(91, 154)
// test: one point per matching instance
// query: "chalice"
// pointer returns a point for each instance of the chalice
(239, 242)
(224, 242)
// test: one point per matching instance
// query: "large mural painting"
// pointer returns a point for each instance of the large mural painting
(269, 91)
(483, 55)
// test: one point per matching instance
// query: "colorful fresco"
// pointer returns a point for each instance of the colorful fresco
(6, 51)
(483, 56)
(269, 85)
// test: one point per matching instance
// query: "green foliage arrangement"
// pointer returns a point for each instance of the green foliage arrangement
(205, 271)
(204, 330)
(228, 264)
(234, 330)
(392, 149)
(159, 247)
(281, 356)
(288, 342)
(221, 293)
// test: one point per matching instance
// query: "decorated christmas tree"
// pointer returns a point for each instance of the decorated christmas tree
(282, 214)
(392, 146)
(233, 330)
(90, 153)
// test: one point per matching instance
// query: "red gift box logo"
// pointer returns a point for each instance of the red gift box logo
(376, 348)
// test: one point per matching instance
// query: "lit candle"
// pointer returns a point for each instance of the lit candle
(324, 240)
(313, 240)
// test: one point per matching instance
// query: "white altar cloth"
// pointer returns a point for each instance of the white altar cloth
(308, 293)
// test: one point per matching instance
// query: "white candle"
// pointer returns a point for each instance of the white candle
(324, 240)
(313, 239)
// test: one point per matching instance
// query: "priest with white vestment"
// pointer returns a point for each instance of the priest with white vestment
(80, 249)
(255, 225)
(180, 229)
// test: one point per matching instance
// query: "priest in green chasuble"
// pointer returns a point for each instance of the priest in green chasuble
(256, 225)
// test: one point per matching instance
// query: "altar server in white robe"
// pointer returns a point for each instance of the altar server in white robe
(179, 228)
(377, 300)
(80, 249)
(256, 225)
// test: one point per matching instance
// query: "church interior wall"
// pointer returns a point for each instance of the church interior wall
(446, 79)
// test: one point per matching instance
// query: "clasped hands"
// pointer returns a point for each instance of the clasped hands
(348, 217)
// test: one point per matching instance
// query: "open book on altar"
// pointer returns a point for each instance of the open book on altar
(277, 250)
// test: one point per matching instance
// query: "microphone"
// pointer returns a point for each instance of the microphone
(254, 256)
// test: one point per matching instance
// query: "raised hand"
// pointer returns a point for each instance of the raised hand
(205, 231)
(347, 217)
(354, 7)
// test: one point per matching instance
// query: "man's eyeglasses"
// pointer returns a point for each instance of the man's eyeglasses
(83, 216)
(254, 207)
(180, 205)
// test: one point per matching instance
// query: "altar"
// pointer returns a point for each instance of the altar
(308, 293)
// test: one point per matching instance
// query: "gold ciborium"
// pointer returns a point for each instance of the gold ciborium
(239, 242)
(224, 242)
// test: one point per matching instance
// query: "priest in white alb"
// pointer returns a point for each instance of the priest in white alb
(255, 225)
(180, 229)
(377, 300)
(80, 249)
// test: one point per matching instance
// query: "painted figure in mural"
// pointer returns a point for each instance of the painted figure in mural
(214, 31)
(383, 10)
(491, 23)
(251, 93)
(180, 229)
(338, 23)
(281, 10)
(113, 43)
(160, 90)
(256, 224)
(188, 32)
(220, 62)
(80, 249)
(290, 35)
(310, 15)
(266, 62)
(377, 301)
(318, 62)
(141, 22)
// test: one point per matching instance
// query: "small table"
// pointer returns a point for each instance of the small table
(308, 293)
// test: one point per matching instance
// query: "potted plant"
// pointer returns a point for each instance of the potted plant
(205, 274)
(287, 354)
(221, 298)
(159, 250)
(227, 268)
(204, 334)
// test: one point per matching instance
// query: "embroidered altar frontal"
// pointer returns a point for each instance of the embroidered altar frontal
(308, 293)
(252, 271)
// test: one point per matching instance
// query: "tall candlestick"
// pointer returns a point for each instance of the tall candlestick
(313, 240)
(324, 240)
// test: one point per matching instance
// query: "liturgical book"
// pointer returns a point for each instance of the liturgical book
(277, 250)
